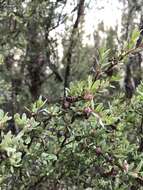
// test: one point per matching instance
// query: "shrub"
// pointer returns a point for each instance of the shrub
(90, 143)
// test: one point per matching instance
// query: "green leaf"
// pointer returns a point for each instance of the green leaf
(1, 114)
(139, 166)
(133, 39)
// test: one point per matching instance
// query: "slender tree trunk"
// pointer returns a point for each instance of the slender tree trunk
(72, 44)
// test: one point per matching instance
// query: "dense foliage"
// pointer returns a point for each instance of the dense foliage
(78, 143)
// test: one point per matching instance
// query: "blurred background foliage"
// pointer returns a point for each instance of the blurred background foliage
(36, 38)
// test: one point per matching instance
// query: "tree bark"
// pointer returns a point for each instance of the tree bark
(68, 56)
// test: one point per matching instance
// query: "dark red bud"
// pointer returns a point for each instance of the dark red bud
(71, 99)
(78, 138)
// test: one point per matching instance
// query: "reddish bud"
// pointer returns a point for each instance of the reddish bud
(98, 151)
(66, 104)
(87, 112)
(88, 96)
